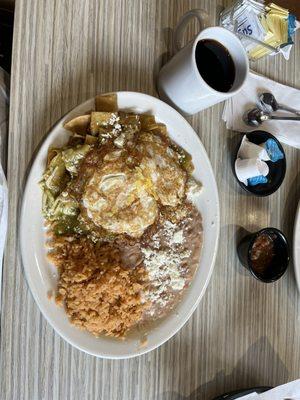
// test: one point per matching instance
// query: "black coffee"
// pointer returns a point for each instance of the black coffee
(215, 65)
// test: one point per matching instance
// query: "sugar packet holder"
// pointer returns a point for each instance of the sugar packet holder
(263, 30)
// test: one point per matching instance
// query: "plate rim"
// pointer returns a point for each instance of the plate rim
(296, 238)
(26, 185)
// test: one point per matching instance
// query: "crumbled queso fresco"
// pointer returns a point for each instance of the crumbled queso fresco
(164, 265)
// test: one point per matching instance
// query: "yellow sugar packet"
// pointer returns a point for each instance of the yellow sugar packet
(277, 9)
(275, 24)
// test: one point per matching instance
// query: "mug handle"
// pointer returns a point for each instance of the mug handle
(199, 14)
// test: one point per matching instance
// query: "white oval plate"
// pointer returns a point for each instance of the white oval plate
(296, 247)
(41, 275)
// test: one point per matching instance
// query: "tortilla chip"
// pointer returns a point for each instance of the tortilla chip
(130, 122)
(106, 102)
(100, 120)
(89, 139)
(146, 121)
(159, 129)
(75, 140)
(79, 124)
(52, 152)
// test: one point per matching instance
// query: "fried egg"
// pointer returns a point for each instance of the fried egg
(160, 164)
(119, 199)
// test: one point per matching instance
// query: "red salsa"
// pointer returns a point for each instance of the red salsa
(262, 253)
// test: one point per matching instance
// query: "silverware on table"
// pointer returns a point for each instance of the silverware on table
(256, 117)
(268, 103)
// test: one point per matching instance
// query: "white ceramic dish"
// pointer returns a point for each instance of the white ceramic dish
(41, 275)
(296, 247)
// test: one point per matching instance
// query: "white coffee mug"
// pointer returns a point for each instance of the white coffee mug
(180, 82)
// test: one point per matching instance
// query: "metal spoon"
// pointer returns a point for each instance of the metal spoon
(256, 117)
(269, 104)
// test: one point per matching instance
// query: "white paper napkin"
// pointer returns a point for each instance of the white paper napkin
(289, 391)
(286, 131)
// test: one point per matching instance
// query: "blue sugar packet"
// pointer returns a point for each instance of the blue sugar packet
(291, 27)
(257, 180)
(273, 150)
